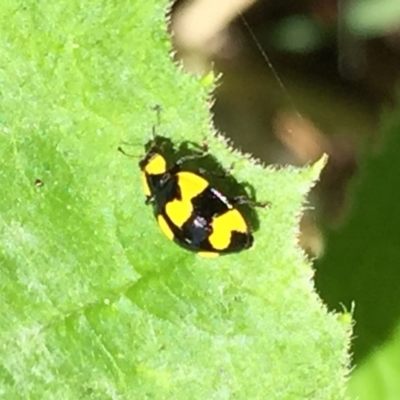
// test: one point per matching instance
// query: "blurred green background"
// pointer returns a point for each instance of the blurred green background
(332, 88)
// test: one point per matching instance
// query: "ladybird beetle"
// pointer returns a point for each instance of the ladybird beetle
(189, 210)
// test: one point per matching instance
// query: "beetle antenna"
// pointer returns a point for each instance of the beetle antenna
(121, 150)
(157, 108)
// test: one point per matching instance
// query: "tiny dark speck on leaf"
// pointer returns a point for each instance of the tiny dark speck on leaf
(38, 183)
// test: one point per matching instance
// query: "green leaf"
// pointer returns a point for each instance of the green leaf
(96, 302)
(378, 377)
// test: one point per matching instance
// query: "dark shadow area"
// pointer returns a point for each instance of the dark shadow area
(362, 259)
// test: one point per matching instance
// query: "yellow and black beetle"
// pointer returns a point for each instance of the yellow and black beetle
(189, 210)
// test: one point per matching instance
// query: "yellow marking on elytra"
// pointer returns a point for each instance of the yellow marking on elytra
(145, 185)
(190, 186)
(223, 226)
(179, 211)
(165, 227)
(207, 254)
(156, 165)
